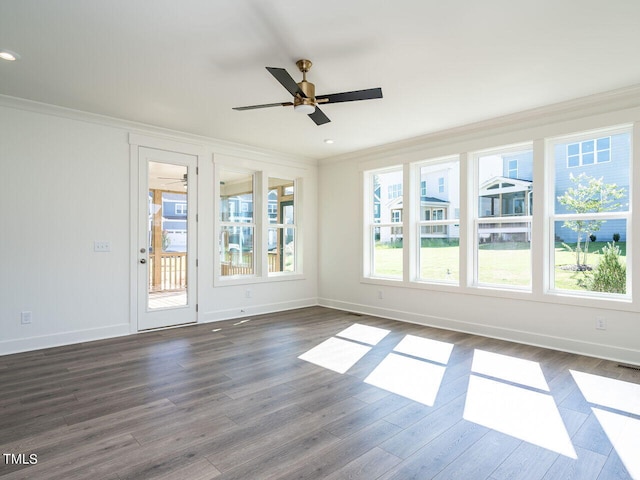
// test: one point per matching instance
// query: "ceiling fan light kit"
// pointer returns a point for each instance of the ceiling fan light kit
(304, 94)
(306, 108)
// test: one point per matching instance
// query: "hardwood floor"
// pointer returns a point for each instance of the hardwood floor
(237, 403)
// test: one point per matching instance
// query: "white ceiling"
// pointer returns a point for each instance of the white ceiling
(183, 64)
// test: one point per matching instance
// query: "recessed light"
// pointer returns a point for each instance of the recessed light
(328, 141)
(9, 55)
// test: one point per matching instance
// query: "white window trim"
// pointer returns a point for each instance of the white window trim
(541, 226)
(261, 223)
(552, 217)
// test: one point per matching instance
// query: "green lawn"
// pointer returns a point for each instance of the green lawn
(505, 263)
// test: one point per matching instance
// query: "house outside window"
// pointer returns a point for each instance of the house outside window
(237, 225)
(502, 227)
(384, 231)
(282, 229)
(438, 225)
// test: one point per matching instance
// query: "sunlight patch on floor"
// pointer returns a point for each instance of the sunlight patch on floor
(518, 412)
(511, 369)
(409, 377)
(622, 430)
(624, 435)
(609, 392)
(425, 348)
(335, 354)
(364, 334)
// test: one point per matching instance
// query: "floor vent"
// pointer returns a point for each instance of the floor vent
(630, 367)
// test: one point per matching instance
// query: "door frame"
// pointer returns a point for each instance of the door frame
(136, 142)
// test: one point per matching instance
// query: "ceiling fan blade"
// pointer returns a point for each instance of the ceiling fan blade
(319, 117)
(368, 94)
(286, 81)
(266, 105)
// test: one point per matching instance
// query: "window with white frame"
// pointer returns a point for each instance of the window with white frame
(590, 215)
(237, 225)
(502, 227)
(384, 235)
(394, 190)
(181, 208)
(588, 152)
(438, 226)
(282, 230)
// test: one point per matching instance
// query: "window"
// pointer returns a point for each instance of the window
(253, 244)
(439, 225)
(281, 234)
(181, 208)
(502, 227)
(395, 190)
(590, 217)
(588, 152)
(384, 250)
(584, 221)
(237, 225)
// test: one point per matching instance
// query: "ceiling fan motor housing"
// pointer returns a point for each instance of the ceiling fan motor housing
(309, 90)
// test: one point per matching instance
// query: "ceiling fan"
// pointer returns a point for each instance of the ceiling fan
(304, 97)
(182, 180)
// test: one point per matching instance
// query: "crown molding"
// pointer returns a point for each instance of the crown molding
(216, 145)
(588, 106)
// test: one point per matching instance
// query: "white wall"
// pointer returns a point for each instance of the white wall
(534, 318)
(64, 183)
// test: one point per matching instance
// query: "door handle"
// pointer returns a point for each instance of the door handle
(143, 260)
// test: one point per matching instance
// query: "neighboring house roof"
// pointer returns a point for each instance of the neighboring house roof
(497, 185)
(394, 203)
(425, 200)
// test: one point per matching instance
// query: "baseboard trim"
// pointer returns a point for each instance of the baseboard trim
(243, 312)
(40, 342)
(606, 352)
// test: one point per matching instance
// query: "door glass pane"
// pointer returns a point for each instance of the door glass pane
(167, 235)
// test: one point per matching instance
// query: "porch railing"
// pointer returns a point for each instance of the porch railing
(229, 268)
(169, 273)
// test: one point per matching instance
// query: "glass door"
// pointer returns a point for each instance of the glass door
(166, 245)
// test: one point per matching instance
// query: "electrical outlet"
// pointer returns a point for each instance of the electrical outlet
(380, 294)
(101, 246)
(25, 318)
(601, 323)
(247, 293)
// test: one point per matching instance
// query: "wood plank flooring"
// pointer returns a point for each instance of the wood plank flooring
(194, 403)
